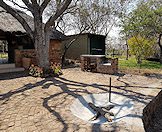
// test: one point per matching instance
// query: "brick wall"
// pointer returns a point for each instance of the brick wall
(152, 115)
(55, 51)
(29, 53)
(97, 64)
(54, 54)
(110, 69)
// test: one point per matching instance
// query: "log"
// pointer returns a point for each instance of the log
(102, 111)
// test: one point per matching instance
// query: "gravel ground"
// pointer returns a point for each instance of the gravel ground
(30, 104)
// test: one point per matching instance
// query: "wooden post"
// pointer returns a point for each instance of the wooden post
(110, 91)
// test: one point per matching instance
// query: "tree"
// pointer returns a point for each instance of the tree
(125, 33)
(93, 14)
(146, 21)
(41, 32)
(97, 16)
(125, 37)
(125, 21)
(85, 16)
(141, 47)
(155, 23)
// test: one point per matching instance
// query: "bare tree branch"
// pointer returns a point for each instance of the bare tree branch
(36, 6)
(34, 2)
(26, 8)
(68, 45)
(60, 11)
(44, 5)
(28, 4)
(17, 16)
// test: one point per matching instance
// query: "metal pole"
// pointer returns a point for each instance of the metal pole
(110, 91)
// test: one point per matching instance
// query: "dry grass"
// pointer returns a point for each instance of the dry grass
(138, 71)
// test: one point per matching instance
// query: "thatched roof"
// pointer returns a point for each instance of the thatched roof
(57, 35)
(10, 24)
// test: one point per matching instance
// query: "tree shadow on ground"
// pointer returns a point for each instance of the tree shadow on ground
(153, 75)
(65, 84)
(70, 66)
(7, 76)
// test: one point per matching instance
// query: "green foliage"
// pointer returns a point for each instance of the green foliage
(55, 70)
(35, 71)
(140, 47)
(145, 20)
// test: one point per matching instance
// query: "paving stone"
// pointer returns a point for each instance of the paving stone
(10, 124)
(41, 110)
(24, 120)
(17, 123)
(3, 126)
(82, 130)
(10, 129)
(18, 118)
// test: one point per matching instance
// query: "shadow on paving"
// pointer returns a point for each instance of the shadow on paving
(153, 75)
(13, 75)
(64, 85)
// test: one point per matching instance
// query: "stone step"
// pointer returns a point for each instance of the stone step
(7, 66)
(8, 70)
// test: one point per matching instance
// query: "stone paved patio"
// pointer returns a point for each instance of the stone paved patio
(30, 104)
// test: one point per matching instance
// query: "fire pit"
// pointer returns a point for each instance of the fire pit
(85, 108)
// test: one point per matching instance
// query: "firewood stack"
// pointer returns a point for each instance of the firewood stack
(102, 111)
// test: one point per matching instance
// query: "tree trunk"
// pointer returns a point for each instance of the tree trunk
(127, 49)
(41, 41)
(161, 55)
(159, 42)
(42, 50)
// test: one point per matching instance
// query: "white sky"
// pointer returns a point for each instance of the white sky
(15, 6)
(17, 1)
(113, 33)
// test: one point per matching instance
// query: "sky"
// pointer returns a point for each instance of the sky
(20, 3)
(11, 4)
(114, 33)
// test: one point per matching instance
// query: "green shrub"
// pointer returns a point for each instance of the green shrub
(35, 71)
(55, 70)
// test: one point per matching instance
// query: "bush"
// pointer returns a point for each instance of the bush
(55, 70)
(141, 47)
(35, 71)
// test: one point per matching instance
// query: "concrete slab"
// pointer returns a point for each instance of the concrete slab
(122, 110)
